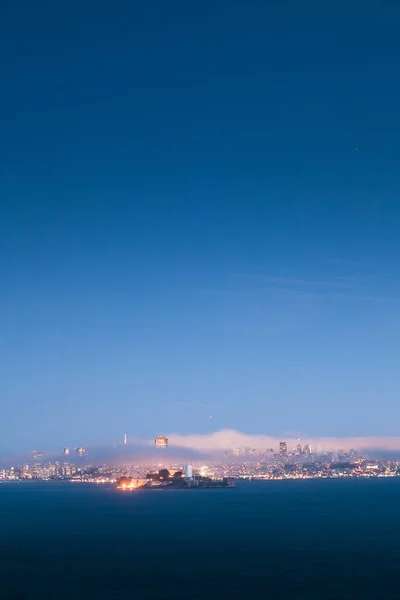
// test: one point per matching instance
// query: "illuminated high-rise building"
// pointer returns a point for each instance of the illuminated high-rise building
(236, 451)
(283, 448)
(66, 451)
(161, 441)
(125, 439)
(307, 449)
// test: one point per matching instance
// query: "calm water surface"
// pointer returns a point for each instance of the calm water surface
(275, 540)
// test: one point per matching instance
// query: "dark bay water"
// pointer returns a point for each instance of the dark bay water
(276, 540)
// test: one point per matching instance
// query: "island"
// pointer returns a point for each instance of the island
(164, 479)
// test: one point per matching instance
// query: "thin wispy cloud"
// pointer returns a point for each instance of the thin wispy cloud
(198, 405)
(312, 285)
(286, 281)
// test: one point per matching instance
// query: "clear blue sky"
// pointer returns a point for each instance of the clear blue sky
(199, 205)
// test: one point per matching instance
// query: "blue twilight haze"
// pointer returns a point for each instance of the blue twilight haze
(200, 219)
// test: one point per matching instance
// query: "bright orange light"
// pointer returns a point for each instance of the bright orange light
(133, 485)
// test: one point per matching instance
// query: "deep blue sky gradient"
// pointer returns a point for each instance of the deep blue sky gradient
(199, 205)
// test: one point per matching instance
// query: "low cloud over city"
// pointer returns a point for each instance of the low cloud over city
(227, 438)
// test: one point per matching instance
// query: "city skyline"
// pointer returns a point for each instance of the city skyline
(210, 472)
(219, 443)
(200, 222)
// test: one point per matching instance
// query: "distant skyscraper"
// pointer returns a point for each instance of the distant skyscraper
(66, 451)
(236, 451)
(188, 471)
(307, 449)
(283, 448)
(125, 438)
(298, 449)
(161, 441)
